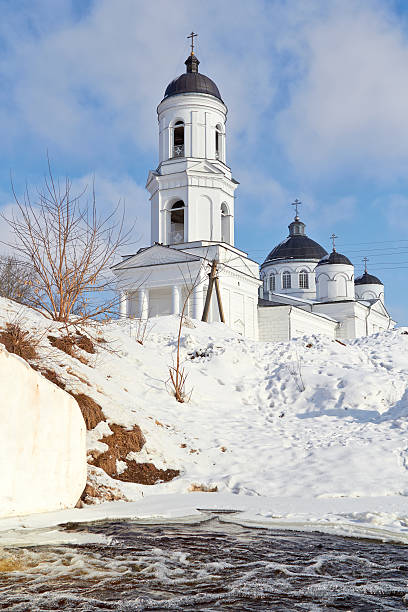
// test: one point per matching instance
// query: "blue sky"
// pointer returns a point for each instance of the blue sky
(317, 93)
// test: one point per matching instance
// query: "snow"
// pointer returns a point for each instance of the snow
(42, 442)
(306, 434)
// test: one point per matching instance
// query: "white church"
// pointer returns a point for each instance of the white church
(299, 289)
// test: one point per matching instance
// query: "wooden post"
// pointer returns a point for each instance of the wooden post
(218, 292)
(211, 276)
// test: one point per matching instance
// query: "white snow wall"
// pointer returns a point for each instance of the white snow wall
(42, 442)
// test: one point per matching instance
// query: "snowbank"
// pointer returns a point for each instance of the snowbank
(42, 442)
(313, 431)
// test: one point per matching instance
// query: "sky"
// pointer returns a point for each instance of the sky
(317, 96)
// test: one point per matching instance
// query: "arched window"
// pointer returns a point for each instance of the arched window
(218, 136)
(178, 139)
(177, 222)
(303, 279)
(272, 282)
(225, 224)
(286, 280)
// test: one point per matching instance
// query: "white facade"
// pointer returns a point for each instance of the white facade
(304, 290)
(334, 281)
(192, 221)
(328, 298)
(42, 442)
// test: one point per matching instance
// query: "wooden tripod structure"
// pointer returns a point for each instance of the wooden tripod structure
(213, 280)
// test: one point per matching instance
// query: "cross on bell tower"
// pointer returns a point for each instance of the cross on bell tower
(296, 204)
(192, 41)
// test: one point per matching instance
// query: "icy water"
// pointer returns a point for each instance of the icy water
(210, 566)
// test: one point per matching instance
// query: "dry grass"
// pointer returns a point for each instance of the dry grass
(71, 342)
(91, 411)
(19, 341)
(201, 487)
(146, 473)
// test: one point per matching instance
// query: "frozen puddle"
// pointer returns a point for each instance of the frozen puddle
(213, 565)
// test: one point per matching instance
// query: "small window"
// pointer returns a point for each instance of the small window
(225, 224)
(303, 279)
(218, 137)
(286, 280)
(178, 139)
(177, 223)
(272, 282)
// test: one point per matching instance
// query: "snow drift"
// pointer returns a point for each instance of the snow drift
(310, 420)
(42, 442)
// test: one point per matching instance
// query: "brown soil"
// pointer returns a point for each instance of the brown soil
(93, 492)
(91, 411)
(63, 343)
(69, 343)
(19, 342)
(85, 343)
(122, 442)
(146, 473)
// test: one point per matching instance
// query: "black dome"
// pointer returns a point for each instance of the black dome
(367, 279)
(297, 245)
(192, 82)
(335, 258)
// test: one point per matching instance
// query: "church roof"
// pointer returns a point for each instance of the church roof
(335, 258)
(192, 81)
(367, 279)
(297, 245)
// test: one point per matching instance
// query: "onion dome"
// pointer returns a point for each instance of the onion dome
(335, 258)
(192, 81)
(297, 245)
(367, 279)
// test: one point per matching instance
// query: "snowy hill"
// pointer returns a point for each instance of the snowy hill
(312, 418)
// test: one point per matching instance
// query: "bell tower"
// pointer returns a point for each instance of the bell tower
(192, 189)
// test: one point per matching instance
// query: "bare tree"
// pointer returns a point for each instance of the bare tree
(69, 247)
(16, 279)
(178, 373)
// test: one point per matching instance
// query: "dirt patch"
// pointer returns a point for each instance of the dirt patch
(146, 473)
(19, 341)
(121, 442)
(91, 411)
(70, 343)
(85, 343)
(97, 492)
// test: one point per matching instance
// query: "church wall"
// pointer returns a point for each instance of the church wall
(305, 323)
(273, 323)
(294, 268)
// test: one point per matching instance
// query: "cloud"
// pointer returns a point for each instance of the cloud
(347, 106)
(112, 196)
(394, 209)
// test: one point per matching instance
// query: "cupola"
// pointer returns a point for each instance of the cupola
(368, 287)
(334, 277)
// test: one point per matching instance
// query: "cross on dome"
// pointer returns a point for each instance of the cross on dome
(296, 204)
(192, 41)
(333, 239)
(365, 259)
